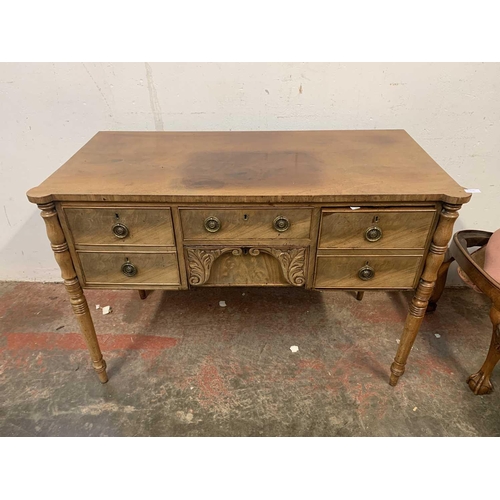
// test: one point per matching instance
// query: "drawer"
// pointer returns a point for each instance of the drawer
(121, 226)
(129, 268)
(380, 271)
(367, 228)
(245, 223)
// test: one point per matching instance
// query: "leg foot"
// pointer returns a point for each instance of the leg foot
(100, 369)
(397, 369)
(359, 295)
(480, 382)
(143, 294)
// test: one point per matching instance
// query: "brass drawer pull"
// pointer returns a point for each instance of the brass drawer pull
(128, 269)
(366, 273)
(373, 234)
(212, 224)
(281, 223)
(120, 230)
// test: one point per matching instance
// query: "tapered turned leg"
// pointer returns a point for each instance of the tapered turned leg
(418, 305)
(76, 296)
(359, 295)
(440, 283)
(143, 294)
(480, 382)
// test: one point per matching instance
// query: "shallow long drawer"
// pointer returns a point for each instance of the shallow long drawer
(121, 226)
(129, 268)
(367, 271)
(370, 228)
(212, 224)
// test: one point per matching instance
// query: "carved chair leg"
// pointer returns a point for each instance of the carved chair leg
(480, 382)
(424, 290)
(359, 295)
(143, 294)
(440, 283)
(77, 298)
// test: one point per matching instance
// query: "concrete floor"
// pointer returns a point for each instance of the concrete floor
(181, 365)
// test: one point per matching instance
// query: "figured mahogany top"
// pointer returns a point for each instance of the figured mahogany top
(289, 166)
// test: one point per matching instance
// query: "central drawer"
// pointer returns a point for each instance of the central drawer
(214, 224)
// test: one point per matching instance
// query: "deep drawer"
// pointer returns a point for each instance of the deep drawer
(366, 271)
(121, 226)
(129, 268)
(212, 224)
(367, 228)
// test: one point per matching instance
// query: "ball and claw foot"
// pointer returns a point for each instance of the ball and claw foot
(480, 384)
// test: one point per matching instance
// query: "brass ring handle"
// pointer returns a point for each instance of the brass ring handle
(281, 223)
(373, 234)
(366, 273)
(120, 230)
(212, 224)
(128, 269)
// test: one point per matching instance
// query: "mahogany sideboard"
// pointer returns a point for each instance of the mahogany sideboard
(349, 210)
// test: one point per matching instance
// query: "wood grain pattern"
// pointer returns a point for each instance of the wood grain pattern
(247, 266)
(270, 167)
(147, 227)
(230, 270)
(245, 223)
(159, 268)
(401, 228)
(390, 272)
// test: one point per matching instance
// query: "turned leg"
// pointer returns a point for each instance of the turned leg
(440, 283)
(480, 382)
(359, 295)
(418, 305)
(143, 294)
(76, 296)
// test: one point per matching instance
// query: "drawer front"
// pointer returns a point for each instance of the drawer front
(140, 268)
(392, 271)
(375, 228)
(212, 224)
(120, 226)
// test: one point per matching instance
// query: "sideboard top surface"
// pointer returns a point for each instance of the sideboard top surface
(288, 166)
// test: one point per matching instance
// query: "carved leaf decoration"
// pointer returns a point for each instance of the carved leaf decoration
(200, 262)
(292, 262)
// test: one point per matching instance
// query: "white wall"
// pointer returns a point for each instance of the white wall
(48, 111)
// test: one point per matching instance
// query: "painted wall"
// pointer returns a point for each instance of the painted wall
(48, 111)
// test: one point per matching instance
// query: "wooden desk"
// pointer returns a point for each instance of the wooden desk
(358, 210)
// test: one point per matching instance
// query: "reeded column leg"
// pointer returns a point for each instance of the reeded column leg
(418, 305)
(77, 298)
(480, 382)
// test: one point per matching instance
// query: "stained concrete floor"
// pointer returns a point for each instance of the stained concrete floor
(181, 365)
